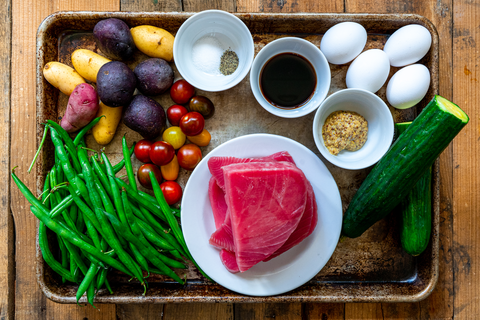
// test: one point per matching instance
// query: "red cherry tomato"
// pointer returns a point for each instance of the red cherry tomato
(189, 156)
(171, 191)
(161, 153)
(143, 175)
(181, 92)
(175, 113)
(142, 150)
(192, 123)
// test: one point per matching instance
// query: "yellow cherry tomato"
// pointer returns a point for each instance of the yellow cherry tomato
(170, 170)
(174, 136)
(202, 139)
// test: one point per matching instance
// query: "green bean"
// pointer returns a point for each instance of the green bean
(87, 280)
(128, 164)
(43, 215)
(115, 244)
(148, 252)
(47, 254)
(68, 143)
(172, 221)
(76, 256)
(73, 209)
(62, 205)
(119, 166)
(107, 285)
(116, 194)
(151, 224)
(67, 168)
(91, 292)
(39, 148)
(140, 259)
(101, 278)
(102, 176)
(55, 199)
(154, 208)
(63, 254)
(86, 211)
(85, 129)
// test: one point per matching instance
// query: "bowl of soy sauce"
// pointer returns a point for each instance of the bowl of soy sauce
(290, 77)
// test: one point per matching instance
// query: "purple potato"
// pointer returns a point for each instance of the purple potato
(154, 76)
(116, 84)
(145, 116)
(114, 39)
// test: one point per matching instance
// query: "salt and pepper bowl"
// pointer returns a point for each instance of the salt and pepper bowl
(230, 31)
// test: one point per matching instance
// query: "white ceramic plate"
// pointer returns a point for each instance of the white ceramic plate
(294, 267)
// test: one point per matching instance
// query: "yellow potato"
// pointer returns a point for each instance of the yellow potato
(104, 130)
(154, 42)
(62, 77)
(87, 63)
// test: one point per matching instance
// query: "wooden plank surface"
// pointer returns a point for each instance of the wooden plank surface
(466, 152)
(7, 259)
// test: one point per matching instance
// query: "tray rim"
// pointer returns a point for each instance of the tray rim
(349, 292)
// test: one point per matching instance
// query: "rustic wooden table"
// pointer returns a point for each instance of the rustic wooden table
(458, 290)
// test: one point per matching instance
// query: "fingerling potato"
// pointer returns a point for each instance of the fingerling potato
(104, 130)
(154, 42)
(87, 63)
(62, 77)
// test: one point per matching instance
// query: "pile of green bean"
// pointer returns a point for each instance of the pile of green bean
(101, 222)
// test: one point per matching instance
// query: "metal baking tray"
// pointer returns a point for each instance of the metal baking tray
(371, 268)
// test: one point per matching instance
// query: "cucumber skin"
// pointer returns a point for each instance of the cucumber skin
(416, 211)
(401, 167)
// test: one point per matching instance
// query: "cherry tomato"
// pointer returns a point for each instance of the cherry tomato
(143, 175)
(189, 156)
(170, 171)
(192, 123)
(202, 139)
(203, 105)
(142, 150)
(175, 113)
(161, 153)
(181, 92)
(174, 136)
(171, 191)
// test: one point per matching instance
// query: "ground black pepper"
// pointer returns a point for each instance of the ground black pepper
(228, 62)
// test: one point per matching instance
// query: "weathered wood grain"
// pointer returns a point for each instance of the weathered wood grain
(466, 157)
(7, 261)
(278, 311)
(286, 6)
(439, 304)
(199, 5)
(323, 311)
(143, 312)
(151, 5)
(198, 311)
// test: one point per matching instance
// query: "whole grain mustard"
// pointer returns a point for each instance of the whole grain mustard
(344, 130)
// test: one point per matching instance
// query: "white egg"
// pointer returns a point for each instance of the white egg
(408, 86)
(368, 71)
(408, 45)
(343, 42)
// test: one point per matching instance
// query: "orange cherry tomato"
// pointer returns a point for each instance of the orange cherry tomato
(170, 171)
(174, 136)
(202, 139)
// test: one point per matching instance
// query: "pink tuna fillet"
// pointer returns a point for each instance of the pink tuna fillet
(229, 261)
(266, 202)
(305, 227)
(215, 164)
(222, 238)
(217, 201)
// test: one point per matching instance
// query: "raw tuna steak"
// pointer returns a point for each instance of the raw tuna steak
(229, 261)
(266, 201)
(222, 238)
(215, 164)
(305, 226)
(217, 201)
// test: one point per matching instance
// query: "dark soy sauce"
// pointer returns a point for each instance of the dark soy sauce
(288, 80)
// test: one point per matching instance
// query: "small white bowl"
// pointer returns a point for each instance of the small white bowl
(230, 31)
(380, 127)
(305, 49)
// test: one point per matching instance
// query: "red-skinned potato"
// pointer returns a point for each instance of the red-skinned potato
(81, 109)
